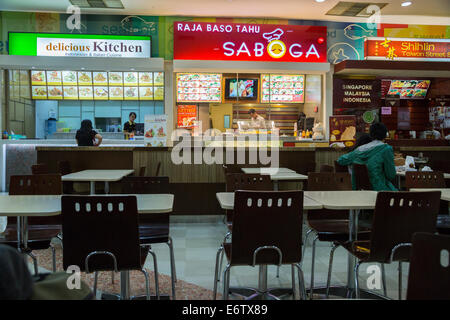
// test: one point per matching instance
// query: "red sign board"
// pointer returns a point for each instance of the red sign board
(377, 48)
(249, 42)
(187, 114)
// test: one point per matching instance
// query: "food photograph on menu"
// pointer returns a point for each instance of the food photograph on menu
(54, 78)
(158, 78)
(199, 87)
(100, 93)
(115, 78)
(145, 78)
(116, 93)
(55, 92)
(84, 78)
(39, 92)
(145, 93)
(283, 88)
(85, 93)
(159, 93)
(131, 93)
(100, 78)
(130, 79)
(409, 89)
(38, 78)
(70, 92)
(69, 78)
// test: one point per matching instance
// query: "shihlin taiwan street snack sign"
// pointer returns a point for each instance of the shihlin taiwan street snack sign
(407, 49)
(78, 45)
(249, 42)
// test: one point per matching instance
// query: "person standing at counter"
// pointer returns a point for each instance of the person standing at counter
(258, 122)
(377, 156)
(86, 136)
(130, 125)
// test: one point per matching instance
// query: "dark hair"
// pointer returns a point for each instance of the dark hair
(251, 111)
(378, 131)
(86, 125)
(362, 140)
(131, 114)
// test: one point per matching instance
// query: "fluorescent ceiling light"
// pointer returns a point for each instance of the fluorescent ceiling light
(406, 3)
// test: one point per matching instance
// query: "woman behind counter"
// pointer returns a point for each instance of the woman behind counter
(86, 136)
(130, 125)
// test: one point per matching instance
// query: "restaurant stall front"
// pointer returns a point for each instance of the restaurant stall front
(223, 70)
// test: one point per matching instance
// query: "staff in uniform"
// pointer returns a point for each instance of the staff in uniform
(130, 125)
(257, 121)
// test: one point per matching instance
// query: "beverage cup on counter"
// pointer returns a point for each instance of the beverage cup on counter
(412, 134)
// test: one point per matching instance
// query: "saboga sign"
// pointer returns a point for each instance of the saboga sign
(249, 42)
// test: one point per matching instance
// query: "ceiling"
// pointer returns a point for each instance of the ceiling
(432, 12)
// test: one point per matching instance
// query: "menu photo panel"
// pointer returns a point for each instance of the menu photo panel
(146, 93)
(85, 93)
(54, 78)
(283, 88)
(55, 92)
(100, 78)
(84, 78)
(115, 78)
(158, 93)
(116, 93)
(38, 78)
(158, 78)
(70, 92)
(199, 87)
(39, 92)
(69, 78)
(130, 79)
(145, 79)
(100, 93)
(131, 93)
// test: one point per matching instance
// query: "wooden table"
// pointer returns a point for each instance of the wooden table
(43, 205)
(93, 176)
(226, 201)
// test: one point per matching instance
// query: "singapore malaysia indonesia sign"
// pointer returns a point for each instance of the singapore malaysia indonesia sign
(249, 42)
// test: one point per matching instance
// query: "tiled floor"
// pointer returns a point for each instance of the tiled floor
(196, 240)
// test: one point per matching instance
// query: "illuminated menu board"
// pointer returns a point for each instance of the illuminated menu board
(282, 88)
(98, 85)
(199, 87)
(409, 89)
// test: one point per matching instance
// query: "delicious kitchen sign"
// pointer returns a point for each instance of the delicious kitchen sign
(406, 49)
(249, 42)
(79, 45)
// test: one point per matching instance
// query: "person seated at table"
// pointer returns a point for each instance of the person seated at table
(377, 156)
(86, 136)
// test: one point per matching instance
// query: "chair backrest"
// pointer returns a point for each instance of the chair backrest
(267, 218)
(142, 171)
(362, 179)
(243, 181)
(64, 167)
(326, 168)
(144, 185)
(99, 223)
(329, 181)
(339, 168)
(40, 184)
(397, 216)
(40, 168)
(429, 269)
(422, 179)
(158, 169)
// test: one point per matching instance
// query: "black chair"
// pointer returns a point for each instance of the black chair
(362, 177)
(267, 229)
(101, 234)
(429, 270)
(41, 230)
(397, 216)
(155, 227)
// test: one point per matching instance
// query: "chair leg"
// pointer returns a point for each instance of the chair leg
(278, 271)
(112, 277)
(173, 273)
(226, 282)
(95, 283)
(356, 280)
(293, 281)
(330, 267)
(399, 280)
(305, 242)
(312, 268)
(301, 282)
(217, 272)
(155, 267)
(53, 258)
(147, 283)
(172, 259)
(383, 277)
(221, 264)
(35, 263)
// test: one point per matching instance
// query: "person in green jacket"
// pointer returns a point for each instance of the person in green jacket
(377, 156)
